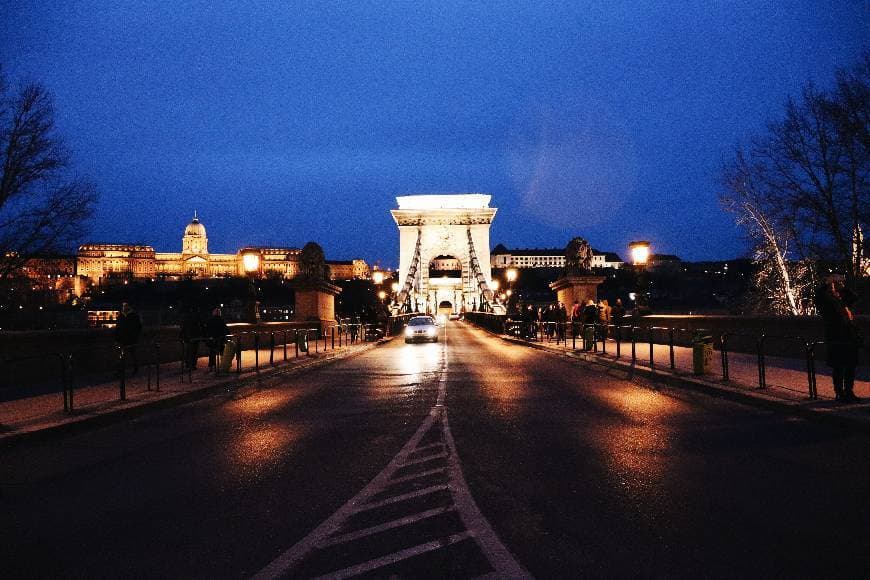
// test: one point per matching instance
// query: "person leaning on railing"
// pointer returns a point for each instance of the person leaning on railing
(216, 330)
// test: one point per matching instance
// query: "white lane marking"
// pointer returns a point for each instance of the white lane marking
(405, 521)
(499, 557)
(396, 557)
(292, 556)
(425, 459)
(438, 445)
(419, 475)
(400, 498)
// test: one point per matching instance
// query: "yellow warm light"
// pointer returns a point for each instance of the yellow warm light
(511, 274)
(395, 286)
(639, 252)
(378, 277)
(251, 262)
(382, 294)
(494, 285)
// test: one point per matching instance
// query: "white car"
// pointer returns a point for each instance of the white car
(421, 328)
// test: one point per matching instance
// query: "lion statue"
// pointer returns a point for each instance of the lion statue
(312, 262)
(578, 257)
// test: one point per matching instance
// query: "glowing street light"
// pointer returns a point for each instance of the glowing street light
(640, 256)
(639, 252)
(511, 274)
(495, 284)
(395, 287)
(378, 277)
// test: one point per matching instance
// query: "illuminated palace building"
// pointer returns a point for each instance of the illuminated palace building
(103, 263)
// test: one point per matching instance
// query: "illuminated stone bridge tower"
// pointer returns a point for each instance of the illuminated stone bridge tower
(444, 252)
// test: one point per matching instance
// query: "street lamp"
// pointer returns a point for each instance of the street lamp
(640, 256)
(639, 252)
(378, 277)
(511, 275)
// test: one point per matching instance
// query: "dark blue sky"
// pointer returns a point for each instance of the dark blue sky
(283, 122)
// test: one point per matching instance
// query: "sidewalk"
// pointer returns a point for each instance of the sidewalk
(100, 403)
(786, 378)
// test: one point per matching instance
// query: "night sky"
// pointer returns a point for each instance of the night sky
(293, 121)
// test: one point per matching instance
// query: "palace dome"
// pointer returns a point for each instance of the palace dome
(194, 228)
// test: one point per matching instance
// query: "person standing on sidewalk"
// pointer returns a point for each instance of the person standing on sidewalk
(191, 332)
(617, 312)
(127, 333)
(216, 330)
(842, 336)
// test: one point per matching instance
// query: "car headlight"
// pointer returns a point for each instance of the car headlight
(431, 332)
(409, 331)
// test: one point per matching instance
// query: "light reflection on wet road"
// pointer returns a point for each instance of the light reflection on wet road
(579, 473)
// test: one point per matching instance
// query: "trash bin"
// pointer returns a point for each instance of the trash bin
(702, 353)
(302, 341)
(589, 337)
(228, 356)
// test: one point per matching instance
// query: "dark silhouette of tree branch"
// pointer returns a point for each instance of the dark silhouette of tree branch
(43, 206)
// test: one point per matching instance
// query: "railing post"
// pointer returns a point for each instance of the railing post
(239, 354)
(762, 378)
(811, 370)
(64, 382)
(285, 345)
(256, 351)
(723, 339)
(296, 341)
(157, 364)
(671, 346)
(122, 358)
(271, 349)
(71, 382)
(651, 338)
(604, 339)
(618, 332)
(633, 344)
(316, 343)
(332, 335)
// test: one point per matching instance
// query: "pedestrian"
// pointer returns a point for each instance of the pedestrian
(127, 332)
(549, 320)
(590, 319)
(604, 313)
(191, 334)
(561, 321)
(576, 318)
(617, 312)
(216, 330)
(842, 336)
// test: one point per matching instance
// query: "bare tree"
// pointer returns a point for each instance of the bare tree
(783, 279)
(802, 190)
(43, 206)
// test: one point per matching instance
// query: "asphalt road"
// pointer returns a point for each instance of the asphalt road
(458, 459)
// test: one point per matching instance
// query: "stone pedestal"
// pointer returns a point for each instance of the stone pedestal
(576, 288)
(315, 302)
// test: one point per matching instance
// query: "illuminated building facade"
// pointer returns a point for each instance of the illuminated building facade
(101, 263)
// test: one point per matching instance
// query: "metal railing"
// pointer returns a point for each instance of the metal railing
(608, 340)
(152, 357)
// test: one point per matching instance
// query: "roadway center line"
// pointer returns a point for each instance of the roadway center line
(499, 557)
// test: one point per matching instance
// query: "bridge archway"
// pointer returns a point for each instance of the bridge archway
(435, 228)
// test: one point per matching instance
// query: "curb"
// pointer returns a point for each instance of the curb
(231, 382)
(835, 415)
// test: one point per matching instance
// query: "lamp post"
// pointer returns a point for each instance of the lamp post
(640, 256)
(511, 276)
